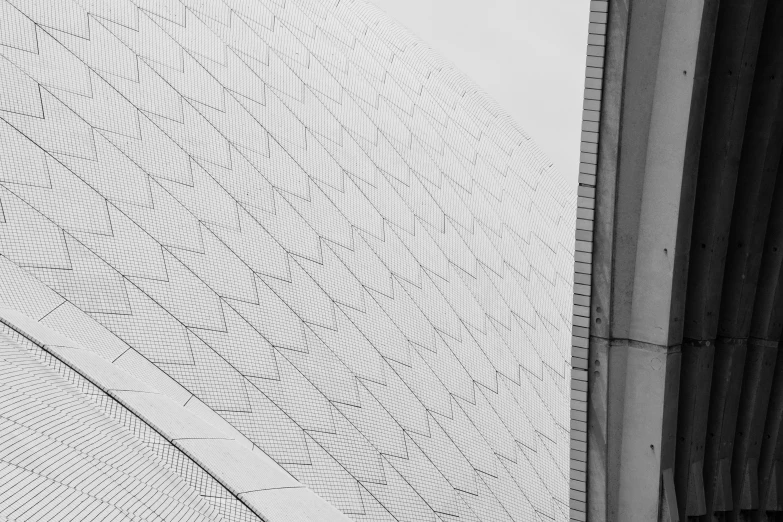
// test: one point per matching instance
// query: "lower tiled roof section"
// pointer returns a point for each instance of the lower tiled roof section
(211, 468)
(63, 458)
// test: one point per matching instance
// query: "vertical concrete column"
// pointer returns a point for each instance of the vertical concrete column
(648, 157)
(646, 456)
(615, 261)
(647, 453)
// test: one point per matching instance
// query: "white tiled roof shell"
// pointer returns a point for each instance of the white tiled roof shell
(313, 224)
(62, 459)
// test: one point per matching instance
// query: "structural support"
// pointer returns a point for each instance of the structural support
(718, 367)
(753, 265)
(759, 424)
(685, 413)
(655, 90)
(685, 371)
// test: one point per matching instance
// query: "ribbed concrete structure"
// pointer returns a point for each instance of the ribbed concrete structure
(319, 264)
(684, 395)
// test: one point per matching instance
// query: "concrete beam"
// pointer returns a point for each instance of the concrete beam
(765, 400)
(648, 419)
(758, 171)
(731, 79)
(728, 368)
(767, 321)
(686, 304)
(640, 68)
(705, 386)
(697, 357)
(753, 403)
(737, 419)
(770, 470)
(598, 483)
(745, 233)
(644, 210)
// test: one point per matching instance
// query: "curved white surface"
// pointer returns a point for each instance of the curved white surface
(292, 212)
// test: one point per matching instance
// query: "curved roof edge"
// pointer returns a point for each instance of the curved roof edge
(473, 94)
(67, 451)
(230, 458)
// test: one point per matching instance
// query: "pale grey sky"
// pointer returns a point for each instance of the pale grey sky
(529, 55)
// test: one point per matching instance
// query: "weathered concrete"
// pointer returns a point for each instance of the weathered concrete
(737, 419)
(733, 66)
(723, 404)
(648, 420)
(731, 79)
(632, 436)
(688, 251)
(767, 325)
(602, 274)
(641, 253)
(754, 400)
(598, 430)
(697, 357)
(734, 59)
(757, 174)
(770, 470)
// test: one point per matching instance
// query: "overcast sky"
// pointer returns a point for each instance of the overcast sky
(529, 55)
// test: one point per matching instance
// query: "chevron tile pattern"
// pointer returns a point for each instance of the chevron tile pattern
(316, 226)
